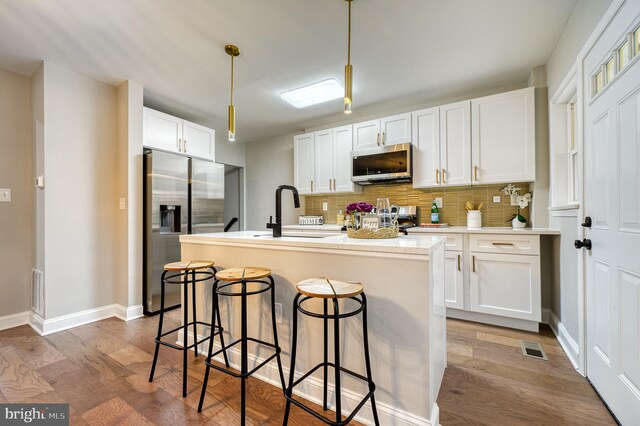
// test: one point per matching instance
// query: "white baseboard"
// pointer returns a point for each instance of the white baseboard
(128, 314)
(568, 344)
(312, 390)
(53, 325)
(14, 320)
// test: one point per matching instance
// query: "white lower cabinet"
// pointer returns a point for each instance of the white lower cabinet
(454, 280)
(506, 285)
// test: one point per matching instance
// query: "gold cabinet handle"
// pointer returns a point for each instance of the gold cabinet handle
(443, 175)
(473, 259)
(475, 173)
(503, 244)
(383, 138)
(179, 145)
(378, 139)
(312, 185)
(438, 176)
(334, 184)
(184, 145)
(458, 262)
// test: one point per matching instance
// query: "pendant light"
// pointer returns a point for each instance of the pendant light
(232, 51)
(348, 71)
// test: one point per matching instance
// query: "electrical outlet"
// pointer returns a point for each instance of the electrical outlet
(123, 204)
(5, 195)
(497, 199)
(325, 206)
(278, 313)
(438, 203)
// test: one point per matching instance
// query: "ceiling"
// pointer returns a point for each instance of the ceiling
(404, 52)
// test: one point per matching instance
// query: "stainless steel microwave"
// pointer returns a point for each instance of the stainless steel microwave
(392, 163)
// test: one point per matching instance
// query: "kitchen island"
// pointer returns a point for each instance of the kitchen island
(404, 283)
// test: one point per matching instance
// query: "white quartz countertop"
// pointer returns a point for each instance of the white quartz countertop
(404, 244)
(486, 230)
(323, 228)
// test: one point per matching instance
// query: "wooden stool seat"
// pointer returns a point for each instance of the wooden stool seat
(328, 289)
(248, 273)
(190, 265)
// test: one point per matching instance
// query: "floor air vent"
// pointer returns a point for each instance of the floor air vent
(532, 349)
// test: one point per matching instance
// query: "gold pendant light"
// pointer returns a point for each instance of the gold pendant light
(348, 71)
(232, 51)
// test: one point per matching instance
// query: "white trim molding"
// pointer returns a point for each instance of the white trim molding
(128, 314)
(312, 390)
(568, 344)
(48, 326)
(14, 320)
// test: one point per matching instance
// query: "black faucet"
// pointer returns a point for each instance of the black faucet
(277, 226)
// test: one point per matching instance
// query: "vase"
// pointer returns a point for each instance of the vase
(517, 224)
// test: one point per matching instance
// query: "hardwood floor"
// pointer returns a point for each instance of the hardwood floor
(489, 382)
(101, 369)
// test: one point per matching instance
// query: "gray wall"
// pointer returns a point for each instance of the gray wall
(16, 173)
(269, 164)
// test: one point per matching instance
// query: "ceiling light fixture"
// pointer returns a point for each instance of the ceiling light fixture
(313, 94)
(232, 51)
(348, 71)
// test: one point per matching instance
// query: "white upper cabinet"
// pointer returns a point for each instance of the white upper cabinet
(503, 137)
(303, 164)
(324, 161)
(442, 146)
(385, 131)
(455, 143)
(342, 166)
(172, 134)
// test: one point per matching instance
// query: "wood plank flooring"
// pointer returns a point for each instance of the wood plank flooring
(101, 369)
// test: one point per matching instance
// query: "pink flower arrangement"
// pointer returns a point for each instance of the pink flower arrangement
(360, 206)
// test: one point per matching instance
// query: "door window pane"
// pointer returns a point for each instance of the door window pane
(623, 55)
(636, 42)
(611, 70)
(598, 83)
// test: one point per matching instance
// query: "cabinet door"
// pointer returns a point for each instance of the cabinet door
(455, 143)
(161, 131)
(505, 284)
(426, 150)
(366, 134)
(198, 141)
(503, 137)
(395, 129)
(342, 165)
(303, 162)
(453, 280)
(323, 161)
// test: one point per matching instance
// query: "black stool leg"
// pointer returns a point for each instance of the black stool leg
(336, 332)
(326, 354)
(185, 331)
(155, 355)
(215, 309)
(365, 338)
(217, 315)
(294, 345)
(193, 303)
(275, 331)
(244, 363)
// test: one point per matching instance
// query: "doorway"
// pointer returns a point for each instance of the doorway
(233, 198)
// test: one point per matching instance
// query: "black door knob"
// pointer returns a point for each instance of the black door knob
(587, 222)
(586, 243)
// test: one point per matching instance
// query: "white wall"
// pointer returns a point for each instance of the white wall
(81, 212)
(230, 153)
(581, 23)
(269, 164)
(16, 173)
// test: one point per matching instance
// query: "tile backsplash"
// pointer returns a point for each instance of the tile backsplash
(453, 199)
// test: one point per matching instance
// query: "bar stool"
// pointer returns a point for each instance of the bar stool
(243, 277)
(326, 289)
(185, 273)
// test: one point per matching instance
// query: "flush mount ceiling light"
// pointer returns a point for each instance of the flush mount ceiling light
(348, 71)
(232, 51)
(313, 94)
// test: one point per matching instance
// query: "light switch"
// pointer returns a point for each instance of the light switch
(5, 195)
(325, 206)
(496, 199)
(438, 203)
(123, 204)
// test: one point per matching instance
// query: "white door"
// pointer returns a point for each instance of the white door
(503, 137)
(161, 131)
(342, 166)
(453, 279)
(395, 129)
(198, 141)
(455, 143)
(506, 285)
(324, 161)
(612, 266)
(426, 149)
(366, 134)
(303, 162)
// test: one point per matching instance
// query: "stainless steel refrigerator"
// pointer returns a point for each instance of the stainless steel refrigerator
(182, 195)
